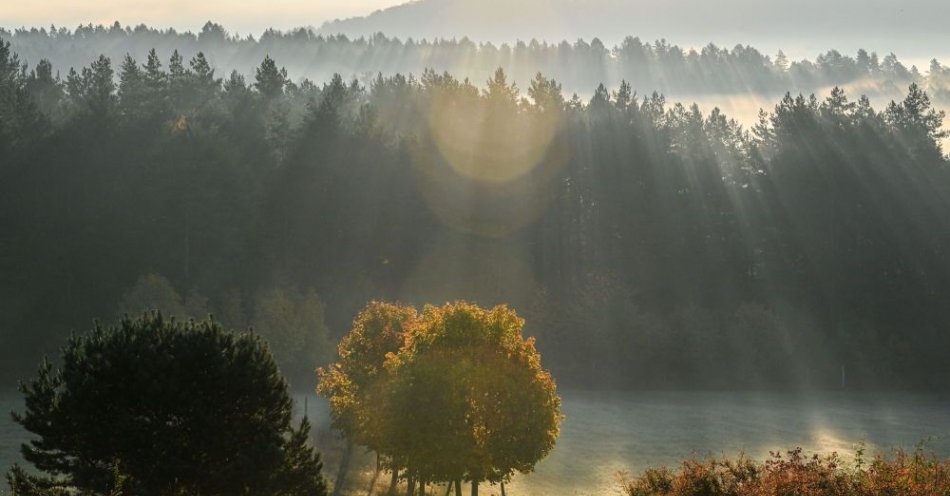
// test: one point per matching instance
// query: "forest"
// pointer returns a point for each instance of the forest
(648, 245)
(579, 65)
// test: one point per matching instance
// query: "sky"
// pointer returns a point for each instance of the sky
(241, 16)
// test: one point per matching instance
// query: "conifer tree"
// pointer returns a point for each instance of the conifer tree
(173, 408)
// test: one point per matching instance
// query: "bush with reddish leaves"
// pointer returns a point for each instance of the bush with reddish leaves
(796, 474)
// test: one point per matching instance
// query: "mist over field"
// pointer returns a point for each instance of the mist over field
(534, 247)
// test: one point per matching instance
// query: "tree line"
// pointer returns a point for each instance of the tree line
(651, 245)
(579, 66)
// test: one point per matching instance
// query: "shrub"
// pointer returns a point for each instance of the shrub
(795, 474)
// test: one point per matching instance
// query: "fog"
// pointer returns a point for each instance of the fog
(916, 30)
(605, 433)
(247, 17)
(693, 228)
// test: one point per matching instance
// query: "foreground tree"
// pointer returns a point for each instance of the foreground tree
(159, 407)
(357, 384)
(469, 398)
(453, 394)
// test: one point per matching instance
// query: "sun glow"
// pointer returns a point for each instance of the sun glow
(485, 169)
(493, 150)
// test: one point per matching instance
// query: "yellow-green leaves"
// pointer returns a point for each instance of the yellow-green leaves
(355, 383)
(455, 392)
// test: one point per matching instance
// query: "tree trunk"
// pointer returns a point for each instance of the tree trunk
(422, 488)
(474, 488)
(372, 483)
(458, 488)
(393, 482)
(448, 488)
(411, 487)
(344, 469)
(187, 247)
(503, 489)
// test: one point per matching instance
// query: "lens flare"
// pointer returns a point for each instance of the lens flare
(488, 171)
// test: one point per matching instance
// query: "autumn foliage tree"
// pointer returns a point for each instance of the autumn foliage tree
(464, 397)
(356, 383)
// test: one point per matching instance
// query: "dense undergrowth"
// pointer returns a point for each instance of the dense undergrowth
(795, 473)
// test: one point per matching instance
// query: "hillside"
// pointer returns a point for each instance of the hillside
(802, 27)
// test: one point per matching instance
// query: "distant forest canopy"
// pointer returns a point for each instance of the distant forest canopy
(909, 27)
(579, 65)
(648, 245)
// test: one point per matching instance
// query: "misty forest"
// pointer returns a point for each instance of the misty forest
(579, 66)
(204, 232)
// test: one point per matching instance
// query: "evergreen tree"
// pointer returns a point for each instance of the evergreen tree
(132, 94)
(92, 91)
(269, 80)
(209, 406)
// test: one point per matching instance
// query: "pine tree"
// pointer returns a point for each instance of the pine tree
(269, 80)
(175, 408)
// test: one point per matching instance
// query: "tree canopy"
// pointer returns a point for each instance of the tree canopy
(357, 383)
(647, 242)
(579, 64)
(458, 395)
(155, 406)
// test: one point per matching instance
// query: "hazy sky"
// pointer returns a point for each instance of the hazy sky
(243, 16)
